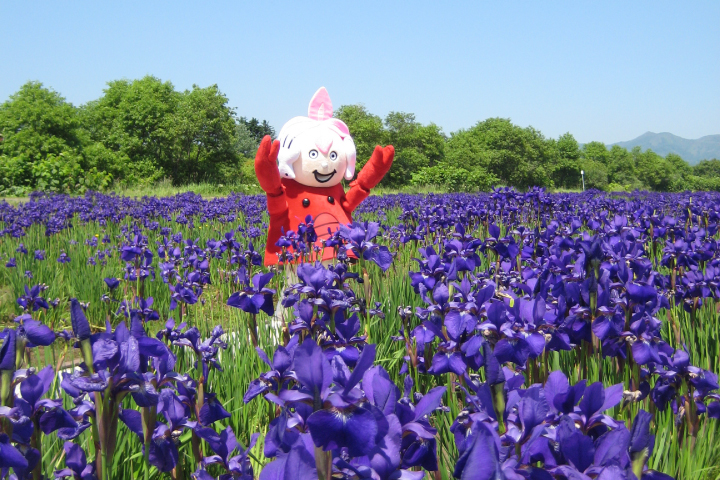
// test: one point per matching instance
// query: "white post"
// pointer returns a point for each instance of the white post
(582, 174)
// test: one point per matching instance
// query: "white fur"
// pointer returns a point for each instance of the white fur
(297, 137)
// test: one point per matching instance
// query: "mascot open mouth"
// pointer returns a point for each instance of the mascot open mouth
(323, 178)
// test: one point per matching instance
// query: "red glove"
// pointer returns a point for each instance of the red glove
(266, 168)
(376, 168)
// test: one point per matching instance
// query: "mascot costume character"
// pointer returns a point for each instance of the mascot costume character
(301, 174)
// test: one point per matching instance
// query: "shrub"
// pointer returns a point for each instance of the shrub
(454, 178)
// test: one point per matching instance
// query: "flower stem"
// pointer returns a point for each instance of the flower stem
(6, 379)
(253, 330)
(36, 443)
(499, 404)
(323, 463)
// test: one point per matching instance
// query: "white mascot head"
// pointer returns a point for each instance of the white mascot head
(316, 150)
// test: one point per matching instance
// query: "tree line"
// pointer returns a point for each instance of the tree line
(142, 131)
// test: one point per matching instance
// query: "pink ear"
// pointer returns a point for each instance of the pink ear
(320, 106)
(340, 125)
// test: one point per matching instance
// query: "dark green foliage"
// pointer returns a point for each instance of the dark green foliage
(417, 146)
(366, 128)
(256, 128)
(707, 168)
(42, 144)
(138, 133)
(455, 179)
(565, 167)
(516, 156)
(596, 175)
(144, 131)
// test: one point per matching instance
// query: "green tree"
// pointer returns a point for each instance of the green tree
(130, 121)
(256, 128)
(416, 146)
(595, 174)
(203, 130)
(657, 173)
(516, 156)
(366, 130)
(565, 167)
(454, 179)
(42, 143)
(681, 167)
(621, 168)
(707, 168)
(596, 152)
(144, 130)
(245, 142)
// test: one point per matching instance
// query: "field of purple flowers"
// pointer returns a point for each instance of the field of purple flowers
(474, 336)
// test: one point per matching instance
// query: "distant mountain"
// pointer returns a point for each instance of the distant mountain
(692, 151)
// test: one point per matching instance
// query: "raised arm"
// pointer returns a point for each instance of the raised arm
(371, 174)
(268, 176)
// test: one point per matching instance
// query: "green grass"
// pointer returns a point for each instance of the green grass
(241, 364)
(165, 188)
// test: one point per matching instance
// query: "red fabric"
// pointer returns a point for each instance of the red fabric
(285, 197)
(376, 168)
(354, 196)
(325, 214)
(266, 166)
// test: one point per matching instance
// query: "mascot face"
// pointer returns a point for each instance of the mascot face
(323, 161)
(316, 150)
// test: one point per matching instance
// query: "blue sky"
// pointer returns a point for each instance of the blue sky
(606, 71)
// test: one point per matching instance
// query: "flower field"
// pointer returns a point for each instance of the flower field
(476, 336)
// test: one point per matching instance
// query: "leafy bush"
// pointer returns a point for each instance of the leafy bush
(615, 187)
(595, 175)
(454, 178)
(140, 132)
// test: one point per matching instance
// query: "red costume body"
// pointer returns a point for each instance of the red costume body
(329, 207)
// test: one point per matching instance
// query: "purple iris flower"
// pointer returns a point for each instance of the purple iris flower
(33, 332)
(314, 279)
(141, 308)
(256, 298)
(596, 400)
(448, 359)
(224, 445)
(359, 237)
(80, 324)
(341, 418)
(10, 457)
(76, 462)
(183, 294)
(163, 448)
(207, 350)
(419, 444)
(273, 379)
(561, 397)
(49, 414)
(32, 301)
(480, 457)
(7, 350)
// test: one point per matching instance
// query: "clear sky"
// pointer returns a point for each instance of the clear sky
(606, 71)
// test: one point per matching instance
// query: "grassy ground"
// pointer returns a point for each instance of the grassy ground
(209, 190)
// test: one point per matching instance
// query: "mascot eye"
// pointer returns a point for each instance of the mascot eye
(333, 155)
(313, 154)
